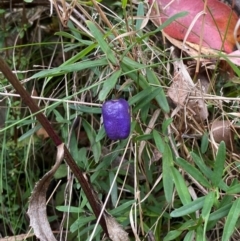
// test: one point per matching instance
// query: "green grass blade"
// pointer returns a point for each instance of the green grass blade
(166, 23)
(220, 213)
(131, 68)
(204, 143)
(234, 189)
(195, 173)
(102, 43)
(109, 85)
(140, 96)
(201, 165)
(188, 208)
(167, 176)
(231, 221)
(181, 187)
(162, 100)
(70, 68)
(122, 208)
(206, 170)
(172, 235)
(199, 234)
(189, 236)
(114, 192)
(140, 15)
(95, 146)
(86, 109)
(158, 141)
(219, 165)
(153, 94)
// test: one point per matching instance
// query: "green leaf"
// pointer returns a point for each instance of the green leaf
(181, 187)
(140, 15)
(199, 234)
(61, 70)
(61, 171)
(122, 208)
(29, 133)
(219, 165)
(162, 100)
(133, 65)
(234, 189)
(231, 221)
(124, 4)
(158, 141)
(154, 93)
(101, 134)
(166, 123)
(207, 206)
(102, 43)
(109, 84)
(201, 165)
(188, 208)
(131, 68)
(232, 65)
(187, 225)
(140, 95)
(166, 23)
(70, 209)
(95, 146)
(114, 192)
(206, 170)
(80, 55)
(195, 173)
(204, 143)
(86, 109)
(172, 235)
(189, 236)
(80, 222)
(167, 176)
(220, 213)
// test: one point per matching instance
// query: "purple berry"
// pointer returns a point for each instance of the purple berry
(116, 119)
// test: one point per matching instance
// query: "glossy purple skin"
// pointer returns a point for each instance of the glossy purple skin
(116, 119)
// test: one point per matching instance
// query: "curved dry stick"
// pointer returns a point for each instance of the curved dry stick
(95, 204)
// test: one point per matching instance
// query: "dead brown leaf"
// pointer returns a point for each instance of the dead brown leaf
(192, 49)
(182, 84)
(116, 232)
(19, 237)
(198, 109)
(221, 130)
(41, 133)
(37, 205)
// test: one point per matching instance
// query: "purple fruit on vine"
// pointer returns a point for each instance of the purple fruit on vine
(116, 119)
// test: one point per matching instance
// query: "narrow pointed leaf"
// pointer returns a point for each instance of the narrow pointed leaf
(181, 187)
(102, 43)
(158, 141)
(193, 171)
(219, 165)
(152, 78)
(109, 85)
(188, 208)
(232, 219)
(208, 204)
(95, 146)
(167, 176)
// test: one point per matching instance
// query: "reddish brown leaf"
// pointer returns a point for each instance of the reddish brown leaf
(217, 30)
